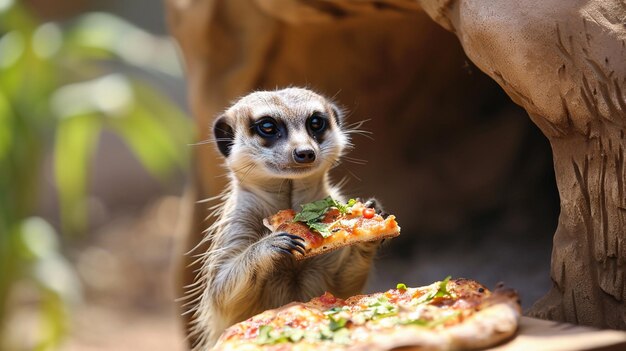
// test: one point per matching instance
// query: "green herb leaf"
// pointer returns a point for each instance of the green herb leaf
(442, 291)
(320, 228)
(337, 323)
(264, 335)
(380, 308)
(269, 336)
(306, 216)
(344, 208)
(443, 288)
(296, 335)
(313, 213)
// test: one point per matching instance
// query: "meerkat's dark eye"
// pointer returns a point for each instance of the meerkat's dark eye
(316, 123)
(266, 127)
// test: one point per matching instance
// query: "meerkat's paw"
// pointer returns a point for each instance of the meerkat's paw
(286, 243)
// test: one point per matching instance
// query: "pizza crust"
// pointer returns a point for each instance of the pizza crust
(487, 328)
(339, 245)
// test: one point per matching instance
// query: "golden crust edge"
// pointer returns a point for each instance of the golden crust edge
(488, 327)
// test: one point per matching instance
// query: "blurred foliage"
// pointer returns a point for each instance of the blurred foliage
(57, 95)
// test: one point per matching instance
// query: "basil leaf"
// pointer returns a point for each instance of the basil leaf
(318, 208)
(313, 213)
(320, 228)
(306, 216)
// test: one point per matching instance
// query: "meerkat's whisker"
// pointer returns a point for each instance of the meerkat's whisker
(354, 160)
(356, 125)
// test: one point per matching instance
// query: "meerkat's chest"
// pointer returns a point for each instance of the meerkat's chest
(302, 280)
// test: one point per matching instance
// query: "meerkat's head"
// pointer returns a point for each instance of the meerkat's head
(288, 134)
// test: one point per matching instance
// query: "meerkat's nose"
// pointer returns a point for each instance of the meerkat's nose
(304, 155)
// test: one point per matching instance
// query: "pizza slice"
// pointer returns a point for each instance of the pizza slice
(327, 225)
(459, 314)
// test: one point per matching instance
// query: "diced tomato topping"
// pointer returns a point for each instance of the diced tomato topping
(328, 299)
(418, 294)
(252, 332)
(369, 213)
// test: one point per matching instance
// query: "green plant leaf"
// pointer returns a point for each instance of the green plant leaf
(6, 121)
(148, 139)
(75, 141)
(179, 126)
(103, 35)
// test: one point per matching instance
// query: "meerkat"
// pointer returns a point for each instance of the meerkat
(278, 147)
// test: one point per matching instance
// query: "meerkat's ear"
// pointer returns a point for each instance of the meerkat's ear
(338, 114)
(224, 135)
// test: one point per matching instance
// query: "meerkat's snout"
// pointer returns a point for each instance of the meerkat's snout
(303, 155)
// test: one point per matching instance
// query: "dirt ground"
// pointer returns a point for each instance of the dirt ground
(127, 277)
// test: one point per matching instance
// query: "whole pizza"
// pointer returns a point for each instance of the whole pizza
(453, 314)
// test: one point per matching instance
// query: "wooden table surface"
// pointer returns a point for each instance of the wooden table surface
(539, 335)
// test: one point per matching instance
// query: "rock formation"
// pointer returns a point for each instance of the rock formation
(564, 62)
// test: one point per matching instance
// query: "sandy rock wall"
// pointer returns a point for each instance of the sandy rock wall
(563, 62)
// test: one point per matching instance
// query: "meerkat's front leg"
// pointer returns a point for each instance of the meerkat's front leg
(239, 278)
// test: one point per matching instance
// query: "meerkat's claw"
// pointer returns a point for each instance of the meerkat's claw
(288, 243)
(294, 237)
